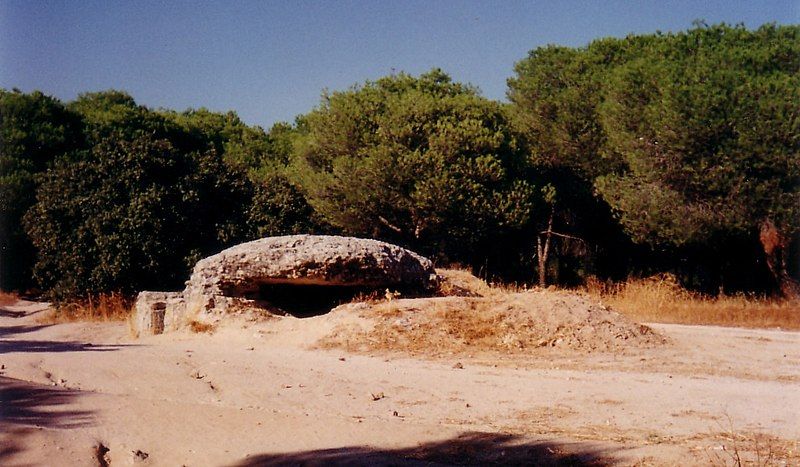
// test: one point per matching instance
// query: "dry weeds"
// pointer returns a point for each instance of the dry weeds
(660, 299)
(506, 322)
(461, 283)
(734, 448)
(102, 307)
(8, 298)
(200, 327)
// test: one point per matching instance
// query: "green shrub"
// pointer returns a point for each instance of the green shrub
(131, 215)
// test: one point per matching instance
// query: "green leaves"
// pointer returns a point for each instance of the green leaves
(691, 138)
(684, 134)
(133, 214)
(34, 130)
(424, 161)
(687, 141)
(692, 124)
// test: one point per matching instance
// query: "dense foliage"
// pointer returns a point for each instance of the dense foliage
(119, 197)
(34, 130)
(691, 138)
(132, 215)
(422, 161)
(651, 153)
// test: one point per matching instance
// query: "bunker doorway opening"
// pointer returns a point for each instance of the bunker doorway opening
(299, 300)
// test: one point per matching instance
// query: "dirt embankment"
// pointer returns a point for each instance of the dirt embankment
(512, 323)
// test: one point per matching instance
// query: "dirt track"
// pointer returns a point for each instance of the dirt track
(258, 396)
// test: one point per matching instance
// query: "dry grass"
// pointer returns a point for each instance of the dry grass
(752, 448)
(505, 322)
(8, 298)
(461, 283)
(103, 307)
(738, 448)
(660, 299)
(200, 327)
(441, 326)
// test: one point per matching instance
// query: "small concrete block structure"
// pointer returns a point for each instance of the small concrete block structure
(156, 311)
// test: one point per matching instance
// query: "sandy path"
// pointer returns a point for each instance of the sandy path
(257, 396)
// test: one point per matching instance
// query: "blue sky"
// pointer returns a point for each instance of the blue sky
(269, 61)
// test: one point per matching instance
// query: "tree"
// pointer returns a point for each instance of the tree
(555, 96)
(422, 161)
(238, 143)
(131, 215)
(554, 107)
(709, 137)
(35, 129)
(279, 206)
(116, 114)
(690, 138)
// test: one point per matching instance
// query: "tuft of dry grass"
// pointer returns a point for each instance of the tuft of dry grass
(369, 297)
(103, 307)
(200, 327)
(753, 448)
(660, 299)
(455, 282)
(8, 298)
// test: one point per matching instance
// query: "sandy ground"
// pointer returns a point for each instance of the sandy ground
(256, 394)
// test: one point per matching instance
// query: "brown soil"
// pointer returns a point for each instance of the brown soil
(518, 323)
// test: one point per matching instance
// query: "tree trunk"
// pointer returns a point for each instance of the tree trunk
(543, 251)
(775, 250)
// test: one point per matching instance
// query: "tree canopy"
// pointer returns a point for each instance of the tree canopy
(35, 129)
(117, 196)
(691, 138)
(420, 160)
(131, 215)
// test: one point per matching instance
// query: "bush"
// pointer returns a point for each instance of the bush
(279, 208)
(132, 215)
(34, 130)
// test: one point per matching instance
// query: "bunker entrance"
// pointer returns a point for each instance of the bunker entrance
(300, 300)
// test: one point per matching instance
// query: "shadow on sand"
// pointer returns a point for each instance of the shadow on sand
(23, 403)
(27, 345)
(27, 407)
(6, 313)
(472, 448)
(8, 331)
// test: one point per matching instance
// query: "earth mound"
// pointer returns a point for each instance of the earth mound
(503, 322)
